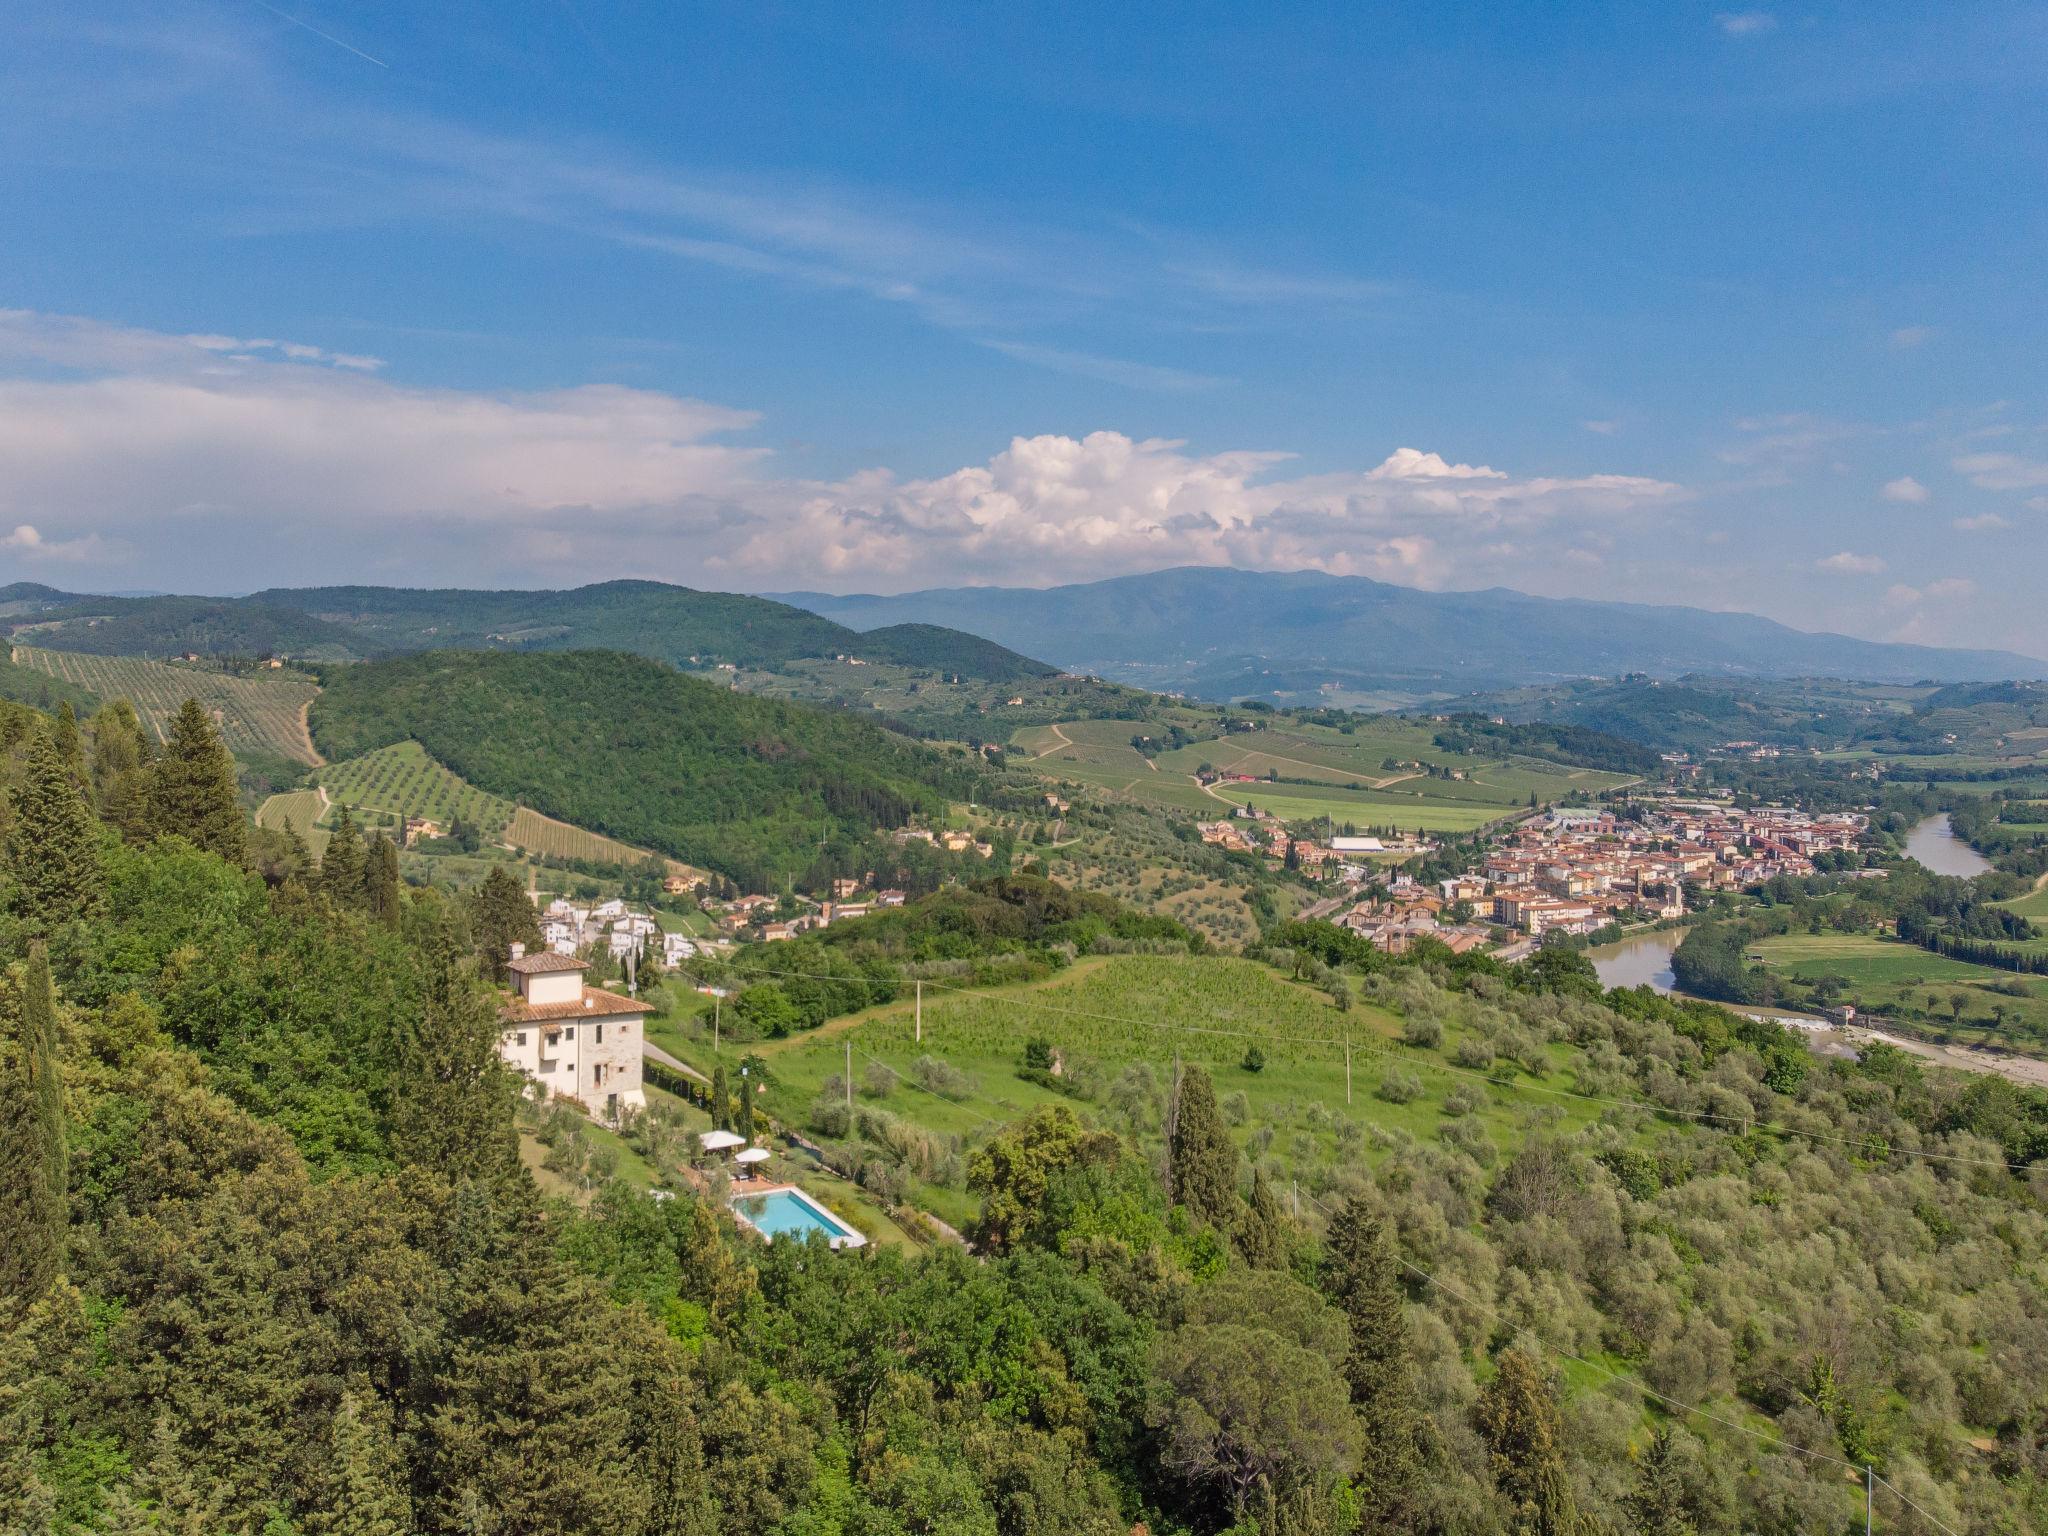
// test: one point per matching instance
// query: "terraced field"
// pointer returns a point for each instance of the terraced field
(255, 714)
(399, 781)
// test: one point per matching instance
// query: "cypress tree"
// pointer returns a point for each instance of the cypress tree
(1363, 1279)
(1202, 1159)
(501, 916)
(32, 1156)
(1517, 1416)
(366, 1493)
(70, 746)
(342, 862)
(192, 791)
(451, 1093)
(380, 880)
(1262, 1236)
(721, 1100)
(54, 847)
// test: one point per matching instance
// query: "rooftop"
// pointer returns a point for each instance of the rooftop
(543, 962)
(596, 1003)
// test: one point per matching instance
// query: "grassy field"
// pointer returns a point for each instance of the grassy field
(2032, 905)
(297, 810)
(260, 714)
(1367, 778)
(399, 781)
(1119, 1023)
(1904, 981)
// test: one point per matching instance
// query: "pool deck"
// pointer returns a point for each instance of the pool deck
(749, 1190)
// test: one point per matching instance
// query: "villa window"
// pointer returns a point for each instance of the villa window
(520, 1038)
(600, 1033)
(569, 1033)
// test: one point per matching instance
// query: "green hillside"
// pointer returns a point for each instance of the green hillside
(638, 751)
(167, 626)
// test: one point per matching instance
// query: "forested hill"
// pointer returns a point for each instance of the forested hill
(165, 626)
(633, 748)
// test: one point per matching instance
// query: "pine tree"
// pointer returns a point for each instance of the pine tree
(1517, 1416)
(32, 1156)
(1202, 1158)
(365, 1493)
(70, 746)
(380, 881)
(451, 1094)
(192, 791)
(1362, 1277)
(1262, 1235)
(121, 759)
(54, 846)
(342, 862)
(501, 915)
(1658, 1504)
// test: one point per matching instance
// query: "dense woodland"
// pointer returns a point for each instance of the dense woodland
(270, 1263)
(744, 786)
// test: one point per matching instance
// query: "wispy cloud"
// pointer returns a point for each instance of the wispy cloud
(1848, 563)
(2003, 471)
(1112, 370)
(1907, 337)
(1745, 23)
(1982, 522)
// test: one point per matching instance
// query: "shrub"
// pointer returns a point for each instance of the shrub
(1474, 1052)
(1254, 1059)
(879, 1081)
(942, 1078)
(1423, 1030)
(1400, 1087)
(1236, 1107)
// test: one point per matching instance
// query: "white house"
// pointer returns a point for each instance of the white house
(578, 1041)
(675, 949)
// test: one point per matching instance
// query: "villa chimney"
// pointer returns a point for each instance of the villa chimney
(518, 951)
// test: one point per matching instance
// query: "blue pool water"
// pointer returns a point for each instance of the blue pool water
(786, 1213)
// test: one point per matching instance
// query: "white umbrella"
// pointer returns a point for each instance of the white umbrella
(753, 1155)
(719, 1141)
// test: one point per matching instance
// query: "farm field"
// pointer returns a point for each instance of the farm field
(401, 780)
(297, 810)
(549, 838)
(2032, 905)
(255, 714)
(1903, 981)
(1118, 1023)
(1360, 778)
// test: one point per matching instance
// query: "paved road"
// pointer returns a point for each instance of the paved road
(649, 1049)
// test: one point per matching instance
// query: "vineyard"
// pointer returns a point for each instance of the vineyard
(547, 838)
(383, 787)
(255, 714)
(297, 811)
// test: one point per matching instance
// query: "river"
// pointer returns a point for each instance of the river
(1934, 843)
(1644, 960)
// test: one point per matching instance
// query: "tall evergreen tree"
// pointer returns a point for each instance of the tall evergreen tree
(1659, 1504)
(721, 1099)
(366, 1486)
(1516, 1415)
(1202, 1159)
(342, 862)
(1362, 1277)
(70, 745)
(501, 915)
(192, 791)
(121, 759)
(1262, 1228)
(381, 885)
(451, 1093)
(32, 1156)
(53, 848)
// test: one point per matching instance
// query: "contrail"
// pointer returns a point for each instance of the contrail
(323, 36)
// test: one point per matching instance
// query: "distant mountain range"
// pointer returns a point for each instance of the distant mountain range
(679, 625)
(1303, 635)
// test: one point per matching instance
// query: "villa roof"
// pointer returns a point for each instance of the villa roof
(543, 962)
(596, 1003)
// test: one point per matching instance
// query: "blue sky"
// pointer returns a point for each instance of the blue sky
(1731, 306)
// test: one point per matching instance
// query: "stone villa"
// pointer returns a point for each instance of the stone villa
(577, 1041)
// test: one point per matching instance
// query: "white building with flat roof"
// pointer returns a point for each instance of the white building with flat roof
(579, 1042)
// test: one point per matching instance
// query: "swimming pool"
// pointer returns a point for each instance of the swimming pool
(792, 1213)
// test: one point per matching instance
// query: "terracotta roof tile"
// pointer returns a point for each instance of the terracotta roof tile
(601, 1005)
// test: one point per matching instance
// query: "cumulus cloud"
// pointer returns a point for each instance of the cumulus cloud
(1905, 488)
(1745, 23)
(179, 444)
(1848, 563)
(27, 541)
(1983, 522)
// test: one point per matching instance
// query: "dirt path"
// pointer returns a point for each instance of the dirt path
(306, 734)
(1059, 731)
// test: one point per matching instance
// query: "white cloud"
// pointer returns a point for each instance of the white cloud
(212, 455)
(2003, 471)
(1602, 428)
(1983, 522)
(1905, 488)
(1847, 563)
(1899, 595)
(1907, 337)
(28, 542)
(1745, 23)
(1950, 588)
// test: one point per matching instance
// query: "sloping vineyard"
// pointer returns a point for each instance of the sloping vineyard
(259, 714)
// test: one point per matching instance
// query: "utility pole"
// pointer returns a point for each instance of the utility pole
(919, 984)
(716, 1001)
(849, 1077)
(1869, 1498)
(1347, 1069)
